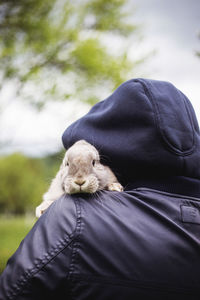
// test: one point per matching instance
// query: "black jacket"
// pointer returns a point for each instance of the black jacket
(143, 243)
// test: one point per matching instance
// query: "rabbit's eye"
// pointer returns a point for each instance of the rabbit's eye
(93, 163)
(67, 164)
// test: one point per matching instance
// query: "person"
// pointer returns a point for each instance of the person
(143, 243)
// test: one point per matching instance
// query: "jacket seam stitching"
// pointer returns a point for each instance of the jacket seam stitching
(75, 244)
(29, 274)
(180, 196)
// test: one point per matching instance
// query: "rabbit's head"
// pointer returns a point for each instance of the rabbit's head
(81, 171)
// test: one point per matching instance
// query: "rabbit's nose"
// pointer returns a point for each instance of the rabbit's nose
(80, 181)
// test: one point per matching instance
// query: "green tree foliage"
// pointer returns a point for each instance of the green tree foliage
(22, 183)
(59, 47)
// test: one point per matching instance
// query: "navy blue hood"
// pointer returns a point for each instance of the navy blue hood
(145, 129)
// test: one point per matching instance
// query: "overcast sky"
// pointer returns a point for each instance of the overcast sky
(170, 27)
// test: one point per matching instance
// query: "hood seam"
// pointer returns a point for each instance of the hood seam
(168, 143)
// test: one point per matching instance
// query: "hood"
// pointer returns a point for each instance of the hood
(145, 129)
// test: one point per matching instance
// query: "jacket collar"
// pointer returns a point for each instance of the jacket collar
(177, 185)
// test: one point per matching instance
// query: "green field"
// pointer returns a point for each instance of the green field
(12, 231)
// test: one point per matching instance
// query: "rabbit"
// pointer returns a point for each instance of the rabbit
(80, 172)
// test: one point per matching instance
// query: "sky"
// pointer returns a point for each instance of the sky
(172, 28)
(169, 27)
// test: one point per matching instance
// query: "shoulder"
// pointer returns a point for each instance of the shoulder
(43, 247)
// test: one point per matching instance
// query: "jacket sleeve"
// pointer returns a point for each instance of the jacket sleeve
(39, 267)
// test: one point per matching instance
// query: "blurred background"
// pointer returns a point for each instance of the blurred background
(57, 59)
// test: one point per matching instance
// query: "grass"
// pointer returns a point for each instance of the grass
(12, 231)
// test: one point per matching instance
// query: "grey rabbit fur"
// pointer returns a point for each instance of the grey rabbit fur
(80, 172)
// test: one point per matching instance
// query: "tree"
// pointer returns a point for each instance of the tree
(57, 48)
(22, 183)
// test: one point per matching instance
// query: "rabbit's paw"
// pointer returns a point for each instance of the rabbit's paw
(41, 209)
(115, 186)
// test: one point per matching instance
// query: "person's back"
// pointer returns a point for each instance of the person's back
(137, 244)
